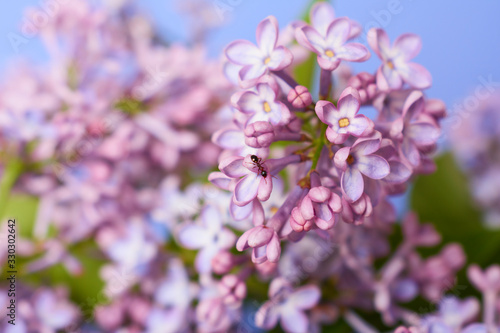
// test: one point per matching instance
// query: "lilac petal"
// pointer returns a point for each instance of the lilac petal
(379, 42)
(303, 40)
(340, 157)
(293, 320)
(319, 194)
(267, 316)
(409, 46)
(399, 173)
(353, 52)
(324, 224)
(194, 237)
(392, 76)
(211, 219)
(265, 188)
(327, 64)
(413, 106)
(229, 138)
(335, 203)
(323, 212)
(242, 243)
(243, 52)
(305, 297)
(281, 57)
(326, 111)
(382, 82)
(266, 93)
(260, 237)
(306, 208)
(423, 133)
(322, 15)
(365, 147)
(220, 180)
(246, 190)
(338, 32)
(352, 183)
(373, 166)
(203, 261)
(273, 250)
(259, 255)
(249, 102)
(410, 151)
(335, 137)
(416, 76)
(267, 34)
(348, 104)
(313, 39)
(258, 214)
(250, 73)
(240, 212)
(358, 125)
(233, 167)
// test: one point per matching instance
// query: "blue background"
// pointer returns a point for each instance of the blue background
(461, 38)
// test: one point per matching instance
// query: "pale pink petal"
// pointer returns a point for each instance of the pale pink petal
(211, 219)
(243, 52)
(348, 104)
(411, 152)
(408, 46)
(265, 188)
(233, 167)
(379, 42)
(338, 32)
(240, 212)
(352, 184)
(246, 189)
(322, 15)
(423, 133)
(373, 166)
(229, 138)
(306, 208)
(416, 76)
(353, 52)
(267, 34)
(281, 58)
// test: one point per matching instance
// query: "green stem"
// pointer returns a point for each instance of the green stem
(320, 143)
(11, 173)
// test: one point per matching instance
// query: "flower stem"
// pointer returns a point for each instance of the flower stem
(11, 172)
(319, 144)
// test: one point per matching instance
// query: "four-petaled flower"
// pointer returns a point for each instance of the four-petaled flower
(396, 67)
(258, 60)
(357, 161)
(344, 120)
(331, 45)
(263, 106)
(255, 182)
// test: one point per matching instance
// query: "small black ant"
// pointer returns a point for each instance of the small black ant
(257, 161)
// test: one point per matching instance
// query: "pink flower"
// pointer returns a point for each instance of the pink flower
(357, 161)
(344, 120)
(415, 130)
(254, 182)
(258, 60)
(331, 45)
(396, 67)
(287, 305)
(263, 105)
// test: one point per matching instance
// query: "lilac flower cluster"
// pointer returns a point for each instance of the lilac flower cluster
(476, 144)
(336, 169)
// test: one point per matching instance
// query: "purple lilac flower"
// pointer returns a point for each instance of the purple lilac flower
(396, 67)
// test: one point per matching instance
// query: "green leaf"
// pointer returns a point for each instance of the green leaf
(444, 199)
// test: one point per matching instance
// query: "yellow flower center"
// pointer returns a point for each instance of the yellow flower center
(266, 106)
(344, 122)
(329, 53)
(267, 60)
(390, 64)
(274, 210)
